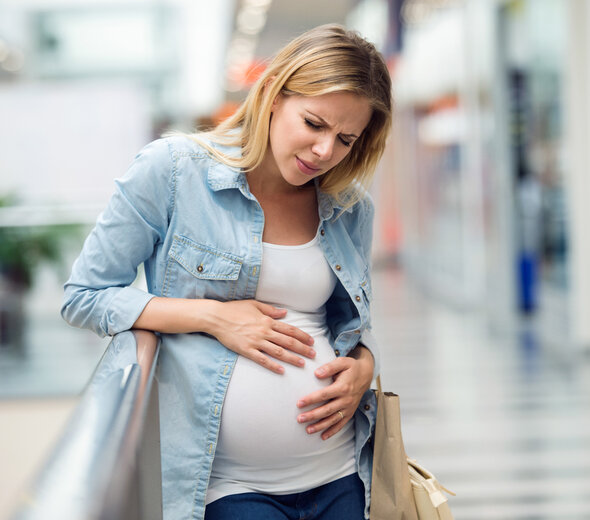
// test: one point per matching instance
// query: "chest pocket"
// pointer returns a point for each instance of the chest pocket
(198, 271)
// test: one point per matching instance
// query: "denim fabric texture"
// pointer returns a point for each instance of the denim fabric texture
(197, 229)
(342, 499)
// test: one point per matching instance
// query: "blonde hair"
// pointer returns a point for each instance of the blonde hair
(324, 60)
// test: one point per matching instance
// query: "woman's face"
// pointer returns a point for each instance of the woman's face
(311, 135)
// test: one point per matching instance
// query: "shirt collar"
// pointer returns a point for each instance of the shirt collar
(328, 203)
(220, 176)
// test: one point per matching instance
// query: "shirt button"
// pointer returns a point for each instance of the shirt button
(337, 352)
(367, 407)
(357, 331)
(322, 232)
(200, 269)
(338, 267)
(357, 298)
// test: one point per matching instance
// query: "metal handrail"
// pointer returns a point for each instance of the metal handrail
(107, 463)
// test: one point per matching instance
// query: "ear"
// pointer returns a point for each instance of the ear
(275, 102)
(267, 86)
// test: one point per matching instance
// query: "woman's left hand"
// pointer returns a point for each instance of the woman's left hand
(337, 402)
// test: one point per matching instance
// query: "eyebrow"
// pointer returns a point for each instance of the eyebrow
(329, 125)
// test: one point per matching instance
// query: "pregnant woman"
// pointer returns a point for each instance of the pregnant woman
(255, 239)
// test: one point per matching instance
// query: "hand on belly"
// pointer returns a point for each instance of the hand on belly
(259, 418)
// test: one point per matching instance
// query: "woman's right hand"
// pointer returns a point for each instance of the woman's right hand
(251, 329)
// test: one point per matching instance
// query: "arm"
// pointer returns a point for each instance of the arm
(247, 327)
(99, 295)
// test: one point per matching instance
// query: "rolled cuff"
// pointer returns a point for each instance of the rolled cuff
(124, 309)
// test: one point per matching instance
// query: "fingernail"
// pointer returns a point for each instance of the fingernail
(300, 362)
(320, 371)
(310, 429)
(301, 418)
(312, 353)
(300, 404)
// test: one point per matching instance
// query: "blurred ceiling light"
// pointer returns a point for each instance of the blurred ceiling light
(14, 62)
(241, 48)
(258, 3)
(239, 55)
(241, 65)
(251, 20)
(416, 12)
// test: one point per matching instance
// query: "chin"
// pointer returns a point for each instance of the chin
(297, 179)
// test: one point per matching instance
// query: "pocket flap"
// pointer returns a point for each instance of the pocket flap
(205, 262)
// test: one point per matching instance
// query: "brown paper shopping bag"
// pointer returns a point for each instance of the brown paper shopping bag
(392, 497)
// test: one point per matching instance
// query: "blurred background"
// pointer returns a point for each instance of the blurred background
(481, 254)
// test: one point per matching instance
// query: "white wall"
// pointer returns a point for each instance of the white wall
(64, 143)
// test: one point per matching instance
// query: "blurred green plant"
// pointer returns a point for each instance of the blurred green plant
(23, 249)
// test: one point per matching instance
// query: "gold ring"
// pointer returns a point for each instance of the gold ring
(341, 414)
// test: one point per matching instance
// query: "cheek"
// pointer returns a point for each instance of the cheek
(343, 154)
(286, 134)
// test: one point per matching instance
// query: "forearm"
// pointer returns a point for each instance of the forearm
(178, 315)
(247, 327)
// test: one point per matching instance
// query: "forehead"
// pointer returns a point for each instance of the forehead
(343, 110)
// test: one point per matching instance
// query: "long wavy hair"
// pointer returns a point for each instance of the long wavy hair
(326, 59)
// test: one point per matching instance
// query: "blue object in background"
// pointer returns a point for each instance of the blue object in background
(527, 282)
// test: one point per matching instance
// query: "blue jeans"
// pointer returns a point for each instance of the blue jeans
(342, 499)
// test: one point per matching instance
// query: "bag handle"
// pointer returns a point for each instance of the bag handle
(420, 474)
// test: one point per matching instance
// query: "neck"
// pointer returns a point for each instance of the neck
(266, 179)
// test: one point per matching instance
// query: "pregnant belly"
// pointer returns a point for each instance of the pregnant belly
(259, 419)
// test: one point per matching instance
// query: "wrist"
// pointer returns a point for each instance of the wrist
(209, 312)
(366, 359)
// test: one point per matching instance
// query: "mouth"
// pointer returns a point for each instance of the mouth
(305, 167)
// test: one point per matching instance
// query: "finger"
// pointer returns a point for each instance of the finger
(323, 412)
(265, 361)
(291, 344)
(270, 310)
(333, 367)
(293, 332)
(278, 352)
(321, 396)
(333, 430)
(335, 421)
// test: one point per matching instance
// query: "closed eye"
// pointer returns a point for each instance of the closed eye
(316, 126)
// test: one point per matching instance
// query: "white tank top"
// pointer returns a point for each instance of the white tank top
(261, 447)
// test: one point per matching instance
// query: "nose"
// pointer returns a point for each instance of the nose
(323, 148)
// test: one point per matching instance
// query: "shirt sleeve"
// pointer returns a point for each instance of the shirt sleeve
(366, 227)
(99, 295)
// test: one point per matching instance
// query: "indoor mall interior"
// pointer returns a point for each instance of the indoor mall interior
(480, 255)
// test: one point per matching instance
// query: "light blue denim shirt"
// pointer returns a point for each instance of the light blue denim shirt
(197, 228)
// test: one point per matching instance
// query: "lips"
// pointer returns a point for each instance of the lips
(305, 167)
